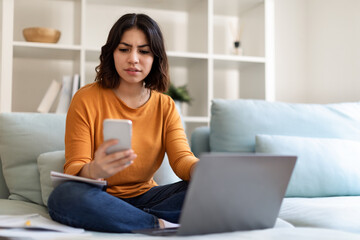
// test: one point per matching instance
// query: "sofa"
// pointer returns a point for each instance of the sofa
(32, 144)
(324, 190)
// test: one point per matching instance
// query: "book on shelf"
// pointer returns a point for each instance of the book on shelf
(49, 97)
(65, 94)
(63, 91)
(76, 84)
(58, 178)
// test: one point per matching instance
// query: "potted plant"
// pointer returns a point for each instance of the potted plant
(179, 94)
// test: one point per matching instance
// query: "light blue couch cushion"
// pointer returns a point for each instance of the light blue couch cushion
(325, 166)
(23, 137)
(234, 123)
(47, 162)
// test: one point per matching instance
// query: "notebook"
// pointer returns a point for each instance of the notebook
(233, 192)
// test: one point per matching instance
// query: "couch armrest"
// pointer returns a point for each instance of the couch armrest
(200, 140)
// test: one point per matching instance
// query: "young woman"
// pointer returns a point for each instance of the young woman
(131, 77)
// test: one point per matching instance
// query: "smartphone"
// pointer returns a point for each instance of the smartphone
(120, 129)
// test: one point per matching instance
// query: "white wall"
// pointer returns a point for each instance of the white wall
(317, 50)
(290, 46)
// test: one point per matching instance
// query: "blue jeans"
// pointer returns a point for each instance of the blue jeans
(86, 206)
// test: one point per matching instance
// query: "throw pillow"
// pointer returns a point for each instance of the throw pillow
(47, 162)
(23, 137)
(325, 166)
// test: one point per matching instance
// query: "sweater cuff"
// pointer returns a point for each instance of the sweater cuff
(186, 168)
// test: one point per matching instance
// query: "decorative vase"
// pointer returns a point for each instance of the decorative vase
(237, 48)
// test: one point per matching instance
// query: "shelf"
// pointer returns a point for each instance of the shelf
(45, 50)
(47, 45)
(235, 58)
(196, 119)
(198, 41)
(172, 54)
(93, 53)
(240, 62)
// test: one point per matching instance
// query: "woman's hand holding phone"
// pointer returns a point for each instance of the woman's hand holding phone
(115, 154)
(106, 165)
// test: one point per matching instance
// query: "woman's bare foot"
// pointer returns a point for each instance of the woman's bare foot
(165, 224)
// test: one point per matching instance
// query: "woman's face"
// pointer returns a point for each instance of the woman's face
(133, 57)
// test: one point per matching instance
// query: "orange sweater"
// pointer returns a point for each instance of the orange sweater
(157, 129)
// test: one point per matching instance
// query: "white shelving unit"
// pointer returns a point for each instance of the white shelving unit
(197, 37)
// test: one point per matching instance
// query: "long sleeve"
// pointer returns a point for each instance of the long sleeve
(79, 144)
(181, 158)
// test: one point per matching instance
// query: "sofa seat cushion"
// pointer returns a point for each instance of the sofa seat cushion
(23, 137)
(234, 123)
(342, 213)
(15, 207)
(265, 234)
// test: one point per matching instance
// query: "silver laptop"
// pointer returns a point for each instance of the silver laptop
(233, 192)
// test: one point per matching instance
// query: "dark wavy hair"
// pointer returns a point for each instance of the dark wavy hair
(158, 78)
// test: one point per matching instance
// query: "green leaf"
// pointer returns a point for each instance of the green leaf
(180, 93)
